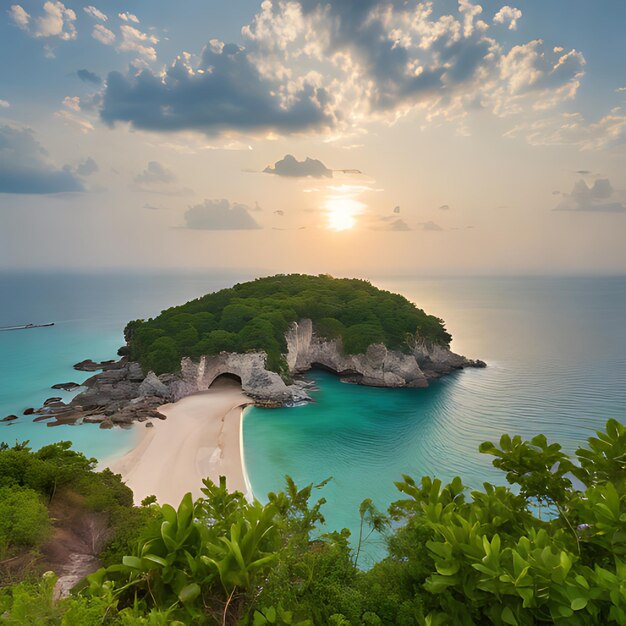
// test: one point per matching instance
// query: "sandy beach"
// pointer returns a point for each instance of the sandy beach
(201, 437)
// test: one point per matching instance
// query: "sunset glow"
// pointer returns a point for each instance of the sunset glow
(343, 207)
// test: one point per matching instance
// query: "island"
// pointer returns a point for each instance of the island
(264, 334)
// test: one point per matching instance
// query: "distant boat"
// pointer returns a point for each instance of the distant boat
(23, 327)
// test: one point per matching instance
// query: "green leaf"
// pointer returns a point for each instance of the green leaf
(578, 604)
(189, 593)
(132, 561)
(508, 617)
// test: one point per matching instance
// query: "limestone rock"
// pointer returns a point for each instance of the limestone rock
(65, 386)
(152, 386)
(120, 394)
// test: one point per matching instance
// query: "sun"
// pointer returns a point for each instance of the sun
(342, 208)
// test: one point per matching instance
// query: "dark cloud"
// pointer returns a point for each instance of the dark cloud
(224, 92)
(452, 60)
(444, 207)
(26, 169)
(86, 167)
(398, 225)
(430, 226)
(289, 166)
(220, 215)
(599, 198)
(155, 173)
(88, 77)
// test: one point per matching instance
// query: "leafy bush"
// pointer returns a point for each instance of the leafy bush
(488, 557)
(24, 521)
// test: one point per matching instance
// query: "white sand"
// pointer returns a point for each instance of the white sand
(201, 437)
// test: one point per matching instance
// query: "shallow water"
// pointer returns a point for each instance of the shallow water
(556, 350)
(556, 354)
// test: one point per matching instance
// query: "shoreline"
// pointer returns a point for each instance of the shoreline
(202, 436)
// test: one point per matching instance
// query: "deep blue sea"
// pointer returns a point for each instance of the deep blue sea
(555, 348)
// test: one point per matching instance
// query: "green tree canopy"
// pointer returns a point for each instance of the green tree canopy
(255, 316)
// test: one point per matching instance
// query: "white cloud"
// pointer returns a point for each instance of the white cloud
(4, 104)
(573, 129)
(72, 118)
(128, 17)
(333, 67)
(72, 102)
(133, 40)
(97, 14)
(103, 35)
(56, 21)
(509, 15)
(19, 16)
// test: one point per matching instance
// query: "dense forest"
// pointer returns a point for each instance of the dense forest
(254, 316)
(549, 549)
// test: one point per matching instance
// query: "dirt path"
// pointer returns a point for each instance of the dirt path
(78, 537)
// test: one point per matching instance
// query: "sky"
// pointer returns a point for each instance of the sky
(361, 137)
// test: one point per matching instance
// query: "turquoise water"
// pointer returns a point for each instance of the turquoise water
(89, 312)
(556, 350)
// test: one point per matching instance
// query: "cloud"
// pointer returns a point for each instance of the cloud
(599, 198)
(133, 40)
(88, 77)
(322, 65)
(103, 35)
(390, 57)
(508, 15)
(19, 16)
(573, 129)
(128, 17)
(156, 173)
(56, 20)
(220, 215)
(72, 102)
(430, 226)
(289, 166)
(398, 225)
(225, 92)
(26, 169)
(444, 207)
(4, 104)
(95, 13)
(86, 167)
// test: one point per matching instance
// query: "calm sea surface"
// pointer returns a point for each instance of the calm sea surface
(555, 348)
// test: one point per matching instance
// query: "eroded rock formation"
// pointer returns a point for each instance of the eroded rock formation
(122, 393)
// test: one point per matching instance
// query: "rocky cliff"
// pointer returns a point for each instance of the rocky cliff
(123, 393)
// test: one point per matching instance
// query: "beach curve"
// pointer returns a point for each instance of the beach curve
(201, 437)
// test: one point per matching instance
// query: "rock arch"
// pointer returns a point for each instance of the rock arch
(224, 378)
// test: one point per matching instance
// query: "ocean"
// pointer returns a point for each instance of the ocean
(555, 349)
